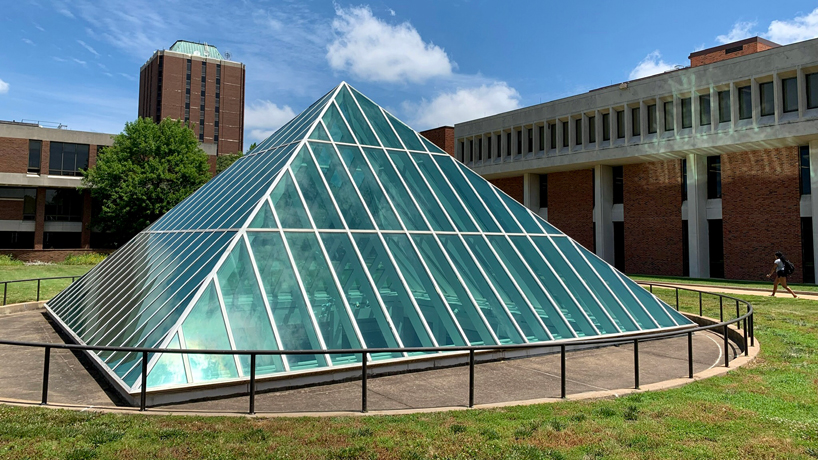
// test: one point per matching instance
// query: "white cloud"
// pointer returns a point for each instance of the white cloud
(740, 31)
(4, 87)
(62, 8)
(262, 118)
(372, 50)
(651, 65)
(58, 59)
(799, 29)
(29, 42)
(38, 27)
(391, 11)
(128, 76)
(463, 104)
(88, 47)
(78, 61)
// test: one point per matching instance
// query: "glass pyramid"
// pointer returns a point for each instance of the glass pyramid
(344, 229)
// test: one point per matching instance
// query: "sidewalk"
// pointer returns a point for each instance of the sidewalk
(733, 290)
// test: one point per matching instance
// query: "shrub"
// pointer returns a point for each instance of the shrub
(90, 258)
(8, 260)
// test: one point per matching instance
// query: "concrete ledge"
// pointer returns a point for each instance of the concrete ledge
(21, 307)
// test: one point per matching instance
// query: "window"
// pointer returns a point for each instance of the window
(35, 149)
(565, 134)
(687, 113)
(767, 98)
(67, 159)
(27, 195)
(541, 136)
(713, 177)
(652, 119)
(789, 92)
(187, 93)
(715, 231)
(620, 124)
(552, 133)
(619, 245)
(683, 168)
(591, 129)
(471, 150)
(636, 123)
(812, 90)
(520, 142)
(704, 110)
(480, 149)
(499, 145)
(724, 107)
(606, 126)
(578, 131)
(63, 205)
(745, 103)
(530, 140)
(488, 147)
(618, 185)
(668, 108)
(508, 143)
(463, 151)
(805, 186)
(807, 253)
(543, 190)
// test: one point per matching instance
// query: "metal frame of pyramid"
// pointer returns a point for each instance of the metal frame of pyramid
(344, 229)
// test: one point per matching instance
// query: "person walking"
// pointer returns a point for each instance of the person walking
(780, 272)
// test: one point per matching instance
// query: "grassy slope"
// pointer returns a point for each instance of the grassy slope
(21, 292)
(766, 410)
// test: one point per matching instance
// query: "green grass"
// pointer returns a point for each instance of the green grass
(768, 409)
(22, 292)
(729, 283)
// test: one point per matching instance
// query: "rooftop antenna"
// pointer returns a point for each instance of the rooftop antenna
(206, 50)
(227, 55)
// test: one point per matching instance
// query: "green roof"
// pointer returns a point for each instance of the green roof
(196, 49)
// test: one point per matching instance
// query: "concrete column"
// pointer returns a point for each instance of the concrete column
(628, 125)
(694, 109)
(755, 98)
(643, 119)
(733, 105)
(660, 117)
(813, 179)
(778, 104)
(802, 93)
(598, 128)
(603, 221)
(86, 220)
(677, 115)
(698, 238)
(39, 219)
(714, 109)
(531, 191)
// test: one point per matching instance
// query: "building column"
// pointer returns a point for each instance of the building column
(813, 179)
(39, 219)
(698, 237)
(531, 189)
(603, 219)
(85, 239)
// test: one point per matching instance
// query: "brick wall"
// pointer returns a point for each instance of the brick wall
(442, 137)
(11, 210)
(231, 110)
(571, 205)
(653, 218)
(719, 53)
(513, 186)
(14, 155)
(760, 211)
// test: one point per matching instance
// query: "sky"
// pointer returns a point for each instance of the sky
(429, 62)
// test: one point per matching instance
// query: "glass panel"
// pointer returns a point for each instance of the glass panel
(288, 205)
(335, 124)
(435, 149)
(169, 369)
(391, 183)
(264, 218)
(520, 311)
(340, 186)
(407, 134)
(569, 308)
(365, 307)
(434, 310)
(319, 133)
(417, 187)
(455, 294)
(315, 194)
(246, 313)
(371, 192)
(375, 116)
(355, 118)
(530, 222)
(292, 317)
(492, 310)
(330, 314)
(543, 306)
(204, 329)
(402, 312)
(443, 192)
(485, 190)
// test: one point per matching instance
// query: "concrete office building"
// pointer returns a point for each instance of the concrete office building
(701, 171)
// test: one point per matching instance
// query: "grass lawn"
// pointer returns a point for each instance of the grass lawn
(732, 283)
(22, 292)
(766, 410)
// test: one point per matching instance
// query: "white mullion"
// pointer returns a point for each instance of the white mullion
(266, 302)
(459, 200)
(352, 182)
(236, 359)
(185, 358)
(658, 302)
(155, 359)
(385, 117)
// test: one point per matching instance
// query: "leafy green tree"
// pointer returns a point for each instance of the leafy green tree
(225, 160)
(149, 169)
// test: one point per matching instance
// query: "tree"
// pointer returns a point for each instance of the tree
(149, 169)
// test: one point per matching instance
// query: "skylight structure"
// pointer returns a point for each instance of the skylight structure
(344, 229)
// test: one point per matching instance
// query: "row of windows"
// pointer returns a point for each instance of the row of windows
(61, 205)
(64, 159)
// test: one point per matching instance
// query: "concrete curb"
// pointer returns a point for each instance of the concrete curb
(21, 307)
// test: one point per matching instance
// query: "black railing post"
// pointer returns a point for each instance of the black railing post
(252, 383)
(752, 330)
(746, 348)
(651, 288)
(471, 378)
(677, 299)
(5, 288)
(363, 383)
(38, 290)
(726, 353)
(562, 371)
(690, 355)
(46, 366)
(636, 363)
(700, 303)
(143, 393)
(721, 309)
(738, 313)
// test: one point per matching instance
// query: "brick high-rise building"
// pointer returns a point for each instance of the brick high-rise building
(195, 83)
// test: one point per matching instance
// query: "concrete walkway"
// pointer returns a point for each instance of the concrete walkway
(731, 290)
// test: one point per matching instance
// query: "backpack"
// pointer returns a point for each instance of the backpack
(789, 268)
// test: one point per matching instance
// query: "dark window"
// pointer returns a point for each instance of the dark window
(745, 103)
(767, 98)
(35, 149)
(471, 150)
(806, 187)
(591, 130)
(812, 90)
(606, 126)
(685, 250)
(187, 93)
(543, 190)
(578, 131)
(508, 143)
(552, 133)
(541, 136)
(683, 168)
(715, 230)
(687, 113)
(713, 177)
(620, 124)
(480, 149)
(807, 254)
(618, 185)
(789, 90)
(636, 123)
(67, 159)
(530, 140)
(520, 142)
(652, 119)
(499, 145)
(704, 110)
(63, 205)
(724, 106)
(16, 240)
(463, 150)
(565, 137)
(619, 245)
(488, 147)
(668, 108)
(62, 240)
(28, 196)
(734, 49)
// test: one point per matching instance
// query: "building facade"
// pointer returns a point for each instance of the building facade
(702, 171)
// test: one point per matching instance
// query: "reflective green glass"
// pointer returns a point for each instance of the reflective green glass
(315, 194)
(521, 312)
(366, 309)
(341, 187)
(330, 313)
(444, 193)
(288, 205)
(355, 118)
(409, 213)
(489, 304)
(419, 190)
(371, 192)
(169, 368)
(292, 317)
(204, 330)
(489, 194)
(375, 116)
(264, 218)
(572, 312)
(469, 198)
(406, 319)
(532, 291)
(319, 133)
(430, 146)
(468, 317)
(248, 318)
(335, 124)
(407, 135)
(523, 215)
(562, 267)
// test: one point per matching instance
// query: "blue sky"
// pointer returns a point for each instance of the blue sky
(429, 62)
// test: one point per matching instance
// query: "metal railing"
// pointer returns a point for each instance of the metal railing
(32, 280)
(722, 326)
